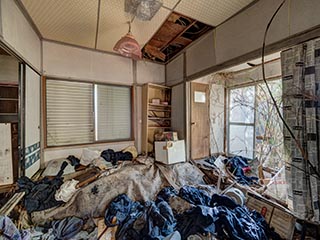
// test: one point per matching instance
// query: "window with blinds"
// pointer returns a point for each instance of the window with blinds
(81, 113)
(112, 112)
(69, 113)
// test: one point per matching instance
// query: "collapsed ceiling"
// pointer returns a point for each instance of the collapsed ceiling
(175, 34)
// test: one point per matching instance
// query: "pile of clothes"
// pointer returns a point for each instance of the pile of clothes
(127, 154)
(53, 191)
(40, 195)
(188, 211)
(69, 228)
(239, 166)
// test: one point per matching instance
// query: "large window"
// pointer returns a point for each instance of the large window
(255, 129)
(81, 113)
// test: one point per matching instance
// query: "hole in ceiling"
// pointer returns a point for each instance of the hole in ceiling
(175, 34)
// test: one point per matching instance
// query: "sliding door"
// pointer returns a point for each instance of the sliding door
(32, 122)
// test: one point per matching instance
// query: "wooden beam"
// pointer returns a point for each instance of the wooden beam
(7, 208)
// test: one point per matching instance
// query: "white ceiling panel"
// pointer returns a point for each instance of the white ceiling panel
(170, 3)
(212, 12)
(70, 21)
(113, 24)
(75, 21)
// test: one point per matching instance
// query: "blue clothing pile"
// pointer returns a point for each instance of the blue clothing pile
(216, 214)
(236, 165)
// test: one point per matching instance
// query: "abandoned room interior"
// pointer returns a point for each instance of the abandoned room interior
(159, 119)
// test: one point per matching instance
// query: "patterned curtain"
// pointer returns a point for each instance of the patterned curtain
(301, 110)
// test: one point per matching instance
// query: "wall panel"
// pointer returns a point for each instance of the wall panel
(201, 55)
(19, 34)
(148, 72)
(77, 63)
(304, 15)
(244, 33)
(175, 71)
(178, 111)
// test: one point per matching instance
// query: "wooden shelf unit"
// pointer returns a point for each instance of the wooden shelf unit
(156, 118)
(9, 102)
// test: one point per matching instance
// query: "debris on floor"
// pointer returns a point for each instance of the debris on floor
(117, 195)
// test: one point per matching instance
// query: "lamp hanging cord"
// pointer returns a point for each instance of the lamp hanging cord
(129, 27)
(298, 144)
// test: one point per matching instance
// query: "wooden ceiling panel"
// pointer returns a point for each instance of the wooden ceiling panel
(176, 33)
(156, 43)
(167, 30)
(182, 41)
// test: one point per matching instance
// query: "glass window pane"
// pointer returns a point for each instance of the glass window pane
(241, 140)
(242, 105)
(112, 112)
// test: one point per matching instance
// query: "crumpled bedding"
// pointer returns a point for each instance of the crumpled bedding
(140, 180)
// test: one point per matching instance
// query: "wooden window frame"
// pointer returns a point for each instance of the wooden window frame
(94, 142)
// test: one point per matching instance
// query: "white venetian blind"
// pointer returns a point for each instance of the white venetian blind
(69, 112)
(112, 112)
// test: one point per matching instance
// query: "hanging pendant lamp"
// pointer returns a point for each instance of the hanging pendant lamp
(127, 46)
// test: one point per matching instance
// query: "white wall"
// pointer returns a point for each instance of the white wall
(243, 33)
(75, 63)
(175, 71)
(69, 62)
(148, 72)
(9, 70)
(178, 113)
(200, 56)
(19, 35)
(64, 152)
(65, 61)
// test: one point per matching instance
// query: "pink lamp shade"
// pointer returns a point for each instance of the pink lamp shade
(128, 47)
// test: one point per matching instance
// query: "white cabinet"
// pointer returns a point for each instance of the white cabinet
(6, 170)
